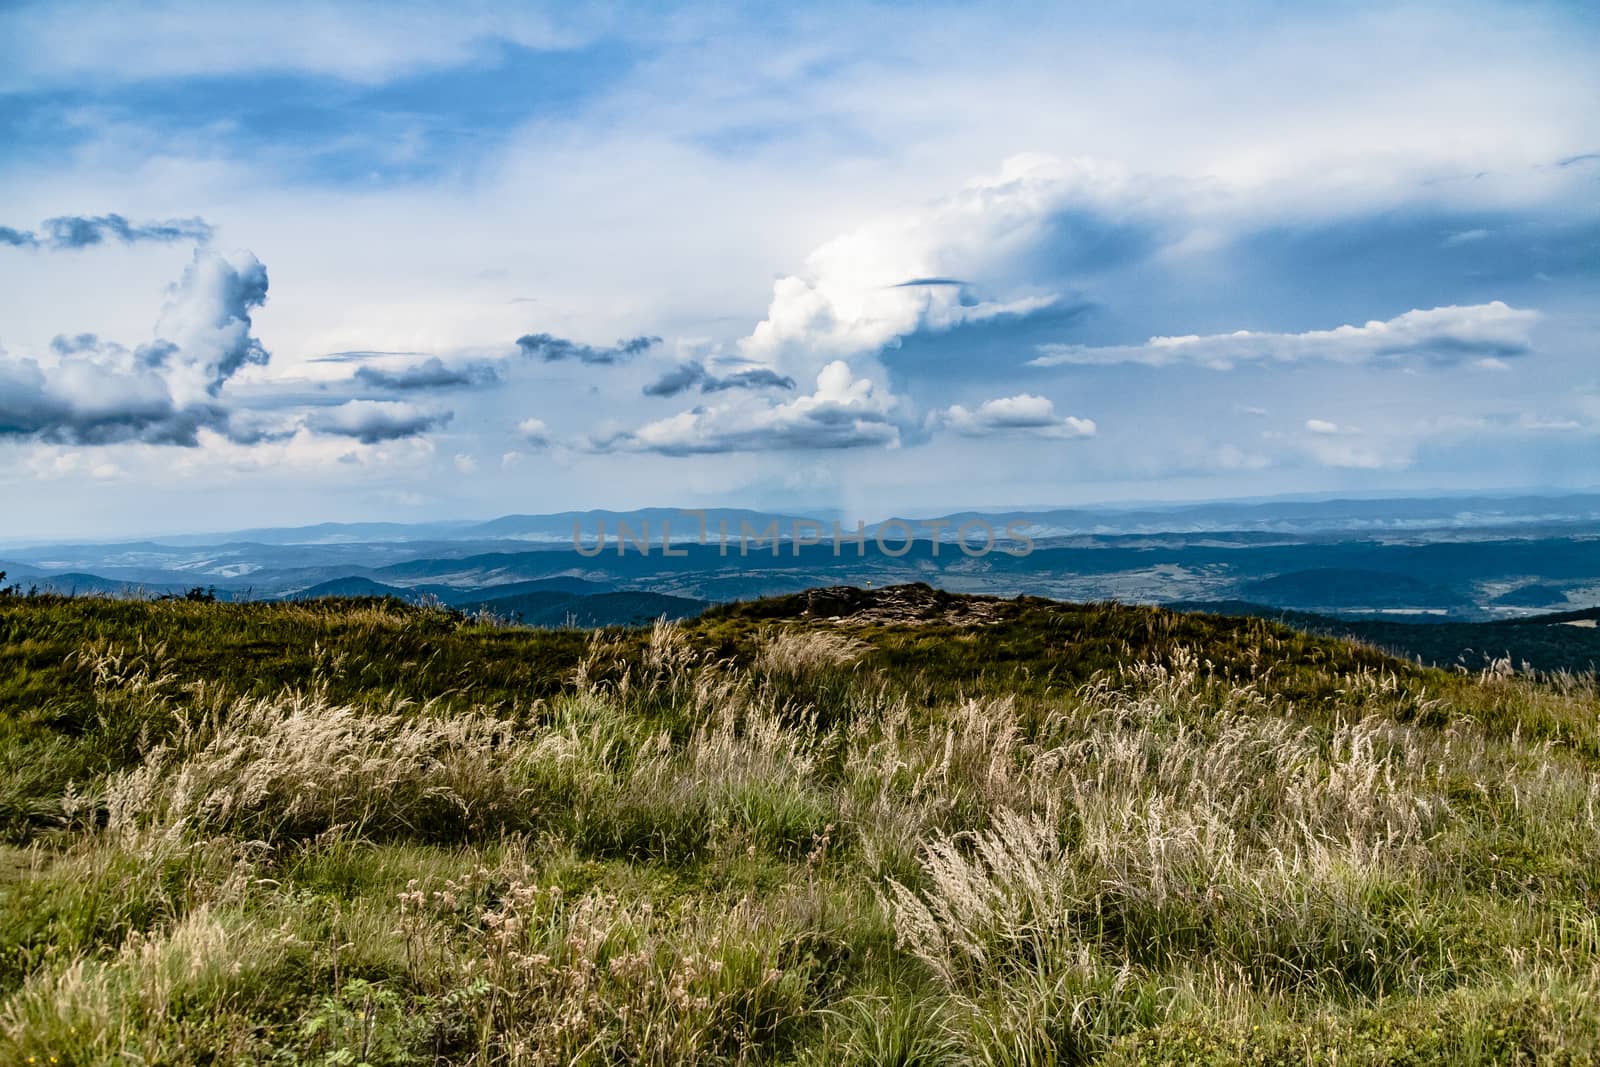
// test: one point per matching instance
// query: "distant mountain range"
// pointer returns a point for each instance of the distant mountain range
(1442, 559)
(1339, 515)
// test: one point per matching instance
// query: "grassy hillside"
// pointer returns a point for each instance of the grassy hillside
(1561, 641)
(840, 827)
(622, 608)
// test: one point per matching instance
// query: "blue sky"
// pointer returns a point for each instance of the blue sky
(341, 262)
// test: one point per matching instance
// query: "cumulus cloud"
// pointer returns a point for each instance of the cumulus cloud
(92, 391)
(82, 231)
(1023, 413)
(433, 373)
(99, 394)
(554, 349)
(206, 323)
(374, 421)
(1442, 335)
(85, 390)
(691, 375)
(844, 412)
(534, 433)
(250, 427)
(868, 288)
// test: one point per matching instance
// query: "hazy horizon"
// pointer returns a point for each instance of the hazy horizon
(1264, 504)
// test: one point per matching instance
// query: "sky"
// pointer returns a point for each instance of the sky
(348, 262)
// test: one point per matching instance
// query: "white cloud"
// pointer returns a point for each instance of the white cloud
(1465, 237)
(844, 412)
(1024, 413)
(888, 279)
(534, 433)
(49, 464)
(1324, 427)
(1350, 455)
(372, 421)
(87, 390)
(170, 391)
(1442, 334)
(363, 42)
(1540, 424)
(208, 318)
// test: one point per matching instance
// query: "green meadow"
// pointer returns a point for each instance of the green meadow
(916, 831)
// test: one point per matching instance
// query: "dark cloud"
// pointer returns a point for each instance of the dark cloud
(1445, 350)
(756, 378)
(680, 379)
(91, 403)
(98, 392)
(431, 374)
(687, 376)
(81, 231)
(62, 345)
(375, 421)
(914, 282)
(554, 349)
(153, 355)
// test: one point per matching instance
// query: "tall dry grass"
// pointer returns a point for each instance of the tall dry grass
(680, 859)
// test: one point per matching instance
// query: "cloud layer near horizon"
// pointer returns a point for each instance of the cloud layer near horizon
(1444, 336)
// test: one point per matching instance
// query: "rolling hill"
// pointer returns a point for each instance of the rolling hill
(842, 826)
(1345, 589)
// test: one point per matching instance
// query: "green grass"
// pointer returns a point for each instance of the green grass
(357, 832)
